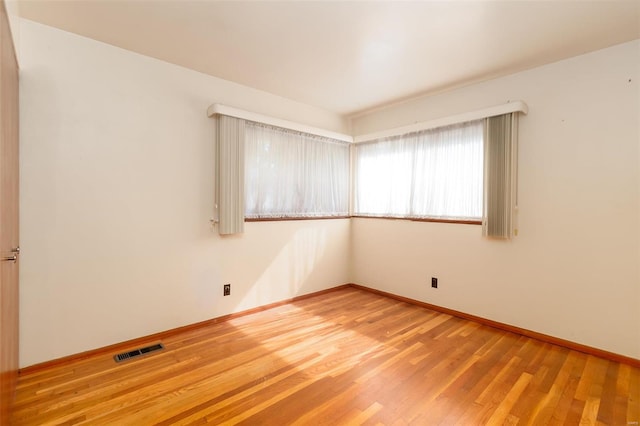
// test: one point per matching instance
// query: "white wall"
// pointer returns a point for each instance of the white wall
(116, 196)
(574, 271)
(116, 181)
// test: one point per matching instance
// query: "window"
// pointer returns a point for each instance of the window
(460, 172)
(289, 174)
(436, 173)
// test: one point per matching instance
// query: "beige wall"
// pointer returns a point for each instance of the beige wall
(117, 192)
(574, 271)
(11, 6)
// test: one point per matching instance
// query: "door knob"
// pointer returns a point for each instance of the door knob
(11, 258)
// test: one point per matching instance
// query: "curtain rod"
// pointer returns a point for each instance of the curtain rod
(515, 106)
(273, 121)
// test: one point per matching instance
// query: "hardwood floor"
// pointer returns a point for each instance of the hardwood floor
(344, 357)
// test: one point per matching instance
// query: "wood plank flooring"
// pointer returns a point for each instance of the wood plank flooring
(347, 357)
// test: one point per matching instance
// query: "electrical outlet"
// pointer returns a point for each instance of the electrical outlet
(434, 282)
(226, 291)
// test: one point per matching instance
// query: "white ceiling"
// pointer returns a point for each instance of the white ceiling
(348, 57)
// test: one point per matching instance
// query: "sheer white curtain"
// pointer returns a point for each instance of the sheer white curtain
(448, 172)
(431, 174)
(293, 174)
(383, 177)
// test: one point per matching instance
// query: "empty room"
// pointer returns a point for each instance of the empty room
(320, 212)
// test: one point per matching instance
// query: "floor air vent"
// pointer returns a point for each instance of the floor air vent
(138, 352)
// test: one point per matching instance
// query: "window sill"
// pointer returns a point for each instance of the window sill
(413, 219)
(281, 219)
(424, 219)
